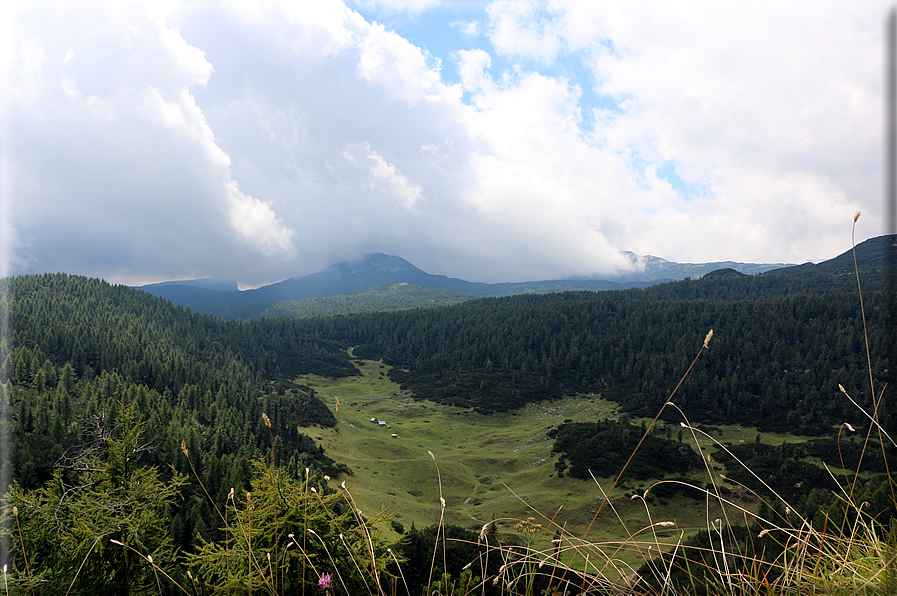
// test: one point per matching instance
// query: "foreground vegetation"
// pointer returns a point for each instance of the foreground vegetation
(159, 451)
(103, 530)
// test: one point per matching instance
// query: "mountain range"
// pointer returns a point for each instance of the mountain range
(379, 269)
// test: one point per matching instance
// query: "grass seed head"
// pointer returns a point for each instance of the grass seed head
(266, 419)
(483, 530)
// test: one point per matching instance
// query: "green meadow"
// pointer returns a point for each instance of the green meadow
(490, 467)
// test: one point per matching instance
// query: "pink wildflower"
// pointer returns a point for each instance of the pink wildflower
(326, 582)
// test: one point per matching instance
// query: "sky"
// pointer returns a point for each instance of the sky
(498, 141)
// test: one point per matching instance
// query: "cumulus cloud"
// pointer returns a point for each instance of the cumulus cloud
(257, 224)
(385, 176)
(474, 68)
(527, 29)
(759, 106)
(264, 140)
(412, 6)
(469, 29)
(388, 60)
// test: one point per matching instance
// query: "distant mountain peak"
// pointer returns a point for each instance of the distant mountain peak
(390, 262)
(635, 258)
(654, 269)
(371, 263)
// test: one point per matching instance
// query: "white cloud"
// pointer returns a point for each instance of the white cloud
(316, 29)
(411, 6)
(525, 28)
(389, 60)
(7, 41)
(257, 224)
(383, 176)
(473, 66)
(133, 126)
(544, 191)
(111, 150)
(469, 29)
(184, 117)
(406, 191)
(762, 94)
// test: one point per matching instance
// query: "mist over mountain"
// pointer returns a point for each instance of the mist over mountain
(377, 269)
(657, 270)
(207, 283)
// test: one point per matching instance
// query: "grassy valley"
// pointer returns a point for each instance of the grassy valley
(493, 467)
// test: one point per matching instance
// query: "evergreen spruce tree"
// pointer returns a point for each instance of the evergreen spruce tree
(94, 525)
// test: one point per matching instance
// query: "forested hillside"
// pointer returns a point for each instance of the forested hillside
(776, 359)
(775, 362)
(97, 326)
(83, 348)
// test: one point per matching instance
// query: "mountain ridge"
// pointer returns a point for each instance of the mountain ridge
(377, 269)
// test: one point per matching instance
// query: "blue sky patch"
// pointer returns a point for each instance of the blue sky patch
(687, 190)
(442, 32)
